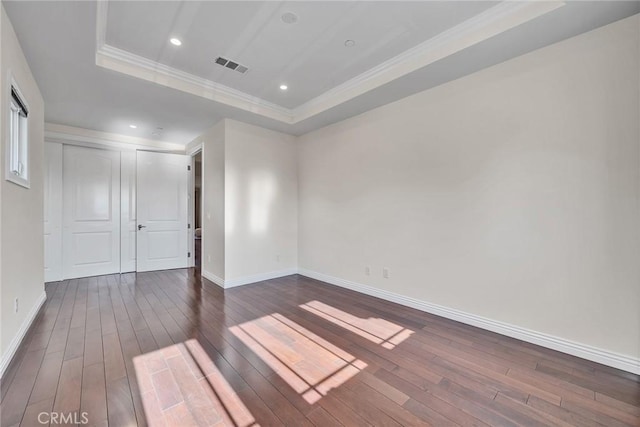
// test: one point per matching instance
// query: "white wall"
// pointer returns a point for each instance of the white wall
(21, 210)
(261, 200)
(213, 256)
(511, 194)
(250, 200)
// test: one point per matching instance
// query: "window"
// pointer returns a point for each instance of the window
(18, 142)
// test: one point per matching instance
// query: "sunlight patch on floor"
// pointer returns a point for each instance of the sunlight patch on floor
(180, 386)
(311, 365)
(376, 330)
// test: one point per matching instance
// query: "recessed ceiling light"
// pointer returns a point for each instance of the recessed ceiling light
(289, 18)
(175, 42)
(349, 43)
(133, 126)
(284, 87)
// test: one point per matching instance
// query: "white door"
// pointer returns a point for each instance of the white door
(91, 212)
(128, 208)
(162, 211)
(52, 212)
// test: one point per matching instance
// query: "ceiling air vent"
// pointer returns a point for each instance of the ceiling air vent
(224, 62)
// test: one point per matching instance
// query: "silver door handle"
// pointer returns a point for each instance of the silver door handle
(140, 227)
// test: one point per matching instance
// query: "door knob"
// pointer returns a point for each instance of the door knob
(140, 227)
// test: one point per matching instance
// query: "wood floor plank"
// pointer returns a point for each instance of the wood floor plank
(119, 403)
(67, 400)
(94, 394)
(37, 414)
(48, 377)
(322, 418)
(572, 418)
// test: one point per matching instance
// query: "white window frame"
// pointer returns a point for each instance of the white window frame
(17, 138)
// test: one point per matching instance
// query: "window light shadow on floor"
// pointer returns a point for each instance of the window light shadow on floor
(311, 365)
(376, 330)
(181, 386)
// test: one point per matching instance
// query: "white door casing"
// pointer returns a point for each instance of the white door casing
(53, 212)
(162, 211)
(191, 211)
(91, 212)
(128, 210)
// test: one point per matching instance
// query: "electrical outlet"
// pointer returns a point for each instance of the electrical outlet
(278, 258)
(367, 270)
(209, 258)
(16, 305)
(385, 272)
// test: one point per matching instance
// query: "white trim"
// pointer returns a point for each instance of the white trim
(198, 149)
(213, 278)
(609, 358)
(194, 149)
(138, 66)
(493, 21)
(12, 85)
(95, 139)
(246, 280)
(22, 332)
(102, 13)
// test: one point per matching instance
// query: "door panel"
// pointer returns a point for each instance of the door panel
(128, 208)
(91, 248)
(162, 211)
(53, 212)
(91, 212)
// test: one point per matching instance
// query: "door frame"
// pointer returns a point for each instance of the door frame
(53, 194)
(194, 151)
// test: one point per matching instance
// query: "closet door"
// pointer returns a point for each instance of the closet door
(91, 212)
(52, 212)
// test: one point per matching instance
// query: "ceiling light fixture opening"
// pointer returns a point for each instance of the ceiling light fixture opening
(176, 42)
(284, 87)
(133, 126)
(349, 43)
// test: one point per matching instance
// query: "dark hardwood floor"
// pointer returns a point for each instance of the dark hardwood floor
(162, 348)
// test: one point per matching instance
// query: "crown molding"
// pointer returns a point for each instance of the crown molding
(120, 60)
(91, 138)
(493, 21)
(102, 13)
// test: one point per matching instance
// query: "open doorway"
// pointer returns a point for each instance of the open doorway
(197, 210)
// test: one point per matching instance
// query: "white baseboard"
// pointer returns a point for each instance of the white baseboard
(212, 277)
(605, 357)
(246, 280)
(17, 339)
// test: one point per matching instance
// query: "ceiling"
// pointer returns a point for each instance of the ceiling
(309, 56)
(104, 67)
